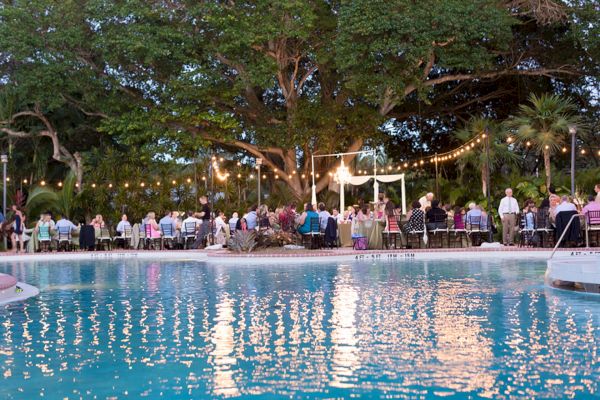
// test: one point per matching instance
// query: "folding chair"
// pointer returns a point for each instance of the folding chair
(125, 238)
(168, 236)
(438, 232)
(544, 229)
(189, 234)
(64, 238)
(526, 234)
(313, 237)
(391, 232)
(474, 231)
(104, 240)
(44, 238)
(592, 225)
(149, 241)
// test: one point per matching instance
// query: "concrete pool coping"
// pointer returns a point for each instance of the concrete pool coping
(277, 257)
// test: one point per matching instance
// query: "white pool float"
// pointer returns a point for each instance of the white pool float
(576, 272)
(11, 290)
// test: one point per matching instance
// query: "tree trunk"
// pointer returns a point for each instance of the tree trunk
(547, 167)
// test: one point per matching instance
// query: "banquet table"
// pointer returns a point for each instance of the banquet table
(345, 235)
(372, 229)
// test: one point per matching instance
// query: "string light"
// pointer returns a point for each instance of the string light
(60, 184)
(8, 179)
(142, 184)
(110, 185)
(126, 184)
(157, 183)
(25, 181)
(93, 185)
(528, 143)
(43, 183)
(174, 182)
(582, 151)
(564, 149)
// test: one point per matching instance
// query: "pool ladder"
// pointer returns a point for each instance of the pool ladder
(587, 239)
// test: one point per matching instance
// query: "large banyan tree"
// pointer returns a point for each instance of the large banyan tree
(278, 79)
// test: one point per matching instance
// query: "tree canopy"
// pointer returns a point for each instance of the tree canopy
(282, 79)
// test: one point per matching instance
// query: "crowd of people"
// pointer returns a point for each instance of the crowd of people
(425, 214)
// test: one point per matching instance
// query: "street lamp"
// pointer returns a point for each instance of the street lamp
(573, 132)
(259, 162)
(4, 160)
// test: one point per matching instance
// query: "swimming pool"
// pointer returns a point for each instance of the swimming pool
(399, 329)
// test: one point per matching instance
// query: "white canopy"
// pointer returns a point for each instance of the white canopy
(362, 179)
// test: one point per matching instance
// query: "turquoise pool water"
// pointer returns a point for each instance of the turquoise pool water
(399, 329)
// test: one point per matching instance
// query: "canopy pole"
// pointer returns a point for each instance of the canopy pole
(314, 186)
(375, 184)
(403, 196)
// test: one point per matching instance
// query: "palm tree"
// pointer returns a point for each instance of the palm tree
(544, 124)
(476, 158)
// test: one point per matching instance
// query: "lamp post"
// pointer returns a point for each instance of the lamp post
(488, 187)
(259, 162)
(4, 160)
(573, 132)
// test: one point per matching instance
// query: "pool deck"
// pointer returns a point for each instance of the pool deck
(271, 256)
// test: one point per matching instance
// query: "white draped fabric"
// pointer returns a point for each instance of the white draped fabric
(362, 179)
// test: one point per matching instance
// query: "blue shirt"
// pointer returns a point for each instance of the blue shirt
(65, 223)
(168, 221)
(323, 218)
(251, 220)
(305, 227)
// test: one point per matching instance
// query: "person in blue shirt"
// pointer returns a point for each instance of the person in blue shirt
(323, 216)
(305, 218)
(251, 218)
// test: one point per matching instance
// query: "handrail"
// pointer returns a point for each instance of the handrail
(563, 235)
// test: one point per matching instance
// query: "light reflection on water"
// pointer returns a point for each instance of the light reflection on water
(395, 330)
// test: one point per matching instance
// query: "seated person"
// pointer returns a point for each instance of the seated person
(592, 205)
(305, 217)
(64, 224)
(122, 225)
(97, 222)
(436, 217)
(416, 219)
(233, 221)
(187, 223)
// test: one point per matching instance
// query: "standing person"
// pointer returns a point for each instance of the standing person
(508, 210)
(18, 229)
(597, 190)
(425, 201)
(205, 226)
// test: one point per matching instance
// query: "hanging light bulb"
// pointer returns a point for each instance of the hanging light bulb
(528, 143)
(564, 149)
(110, 185)
(43, 183)
(142, 184)
(60, 184)
(174, 182)
(126, 184)
(582, 151)
(93, 185)
(157, 183)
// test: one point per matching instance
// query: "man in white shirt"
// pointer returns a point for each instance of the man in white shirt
(425, 201)
(122, 225)
(191, 219)
(508, 210)
(565, 205)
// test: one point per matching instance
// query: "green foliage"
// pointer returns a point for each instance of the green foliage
(242, 241)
